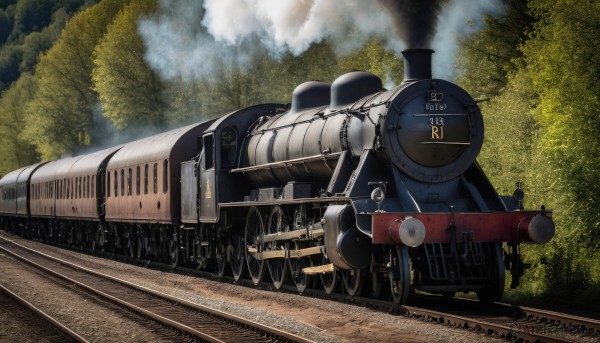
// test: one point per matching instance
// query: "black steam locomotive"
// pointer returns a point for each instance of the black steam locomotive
(351, 187)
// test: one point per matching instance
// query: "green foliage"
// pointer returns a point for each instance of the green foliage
(15, 151)
(9, 65)
(6, 25)
(30, 16)
(540, 69)
(28, 28)
(564, 64)
(565, 270)
(60, 118)
(130, 92)
(509, 139)
(488, 56)
(373, 57)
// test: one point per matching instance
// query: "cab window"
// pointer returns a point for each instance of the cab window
(228, 146)
(209, 162)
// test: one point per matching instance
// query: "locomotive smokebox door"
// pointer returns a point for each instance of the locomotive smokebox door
(208, 191)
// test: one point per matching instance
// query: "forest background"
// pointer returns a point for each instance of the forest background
(75, 77)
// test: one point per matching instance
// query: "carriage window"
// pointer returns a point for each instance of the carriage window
(165, 174)
(155, 178)
(108, 183)
(137, 180)
(122, 182)
(146, 179)
(208, 152)
(129, 181)
(116, 184)
(93, 186)
(228, 146)
(88, 186)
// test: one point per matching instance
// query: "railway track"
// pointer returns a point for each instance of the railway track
(191, 320)
(41, 326)
(514, 323)
(511, 322)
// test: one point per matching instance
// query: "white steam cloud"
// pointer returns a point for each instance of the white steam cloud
(292, 25)
(191, 39)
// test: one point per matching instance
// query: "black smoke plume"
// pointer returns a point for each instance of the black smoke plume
(415, 20)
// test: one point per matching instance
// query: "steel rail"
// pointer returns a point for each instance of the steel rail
(270, 332)
(574, 323)
(55, 323)
(508, 332)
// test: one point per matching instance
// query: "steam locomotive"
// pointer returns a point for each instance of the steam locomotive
(350, 188)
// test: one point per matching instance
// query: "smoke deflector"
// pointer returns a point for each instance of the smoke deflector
(417, 64)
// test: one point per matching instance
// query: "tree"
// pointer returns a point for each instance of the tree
(488, 56)
(564, 65)
(15, 151)
(374, 58)
(130, 92)
(27, 29)
(9, 65)
(60, 118)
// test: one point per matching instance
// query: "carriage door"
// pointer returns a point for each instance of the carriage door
(208, 191)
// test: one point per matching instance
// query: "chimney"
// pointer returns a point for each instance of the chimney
(417, 64)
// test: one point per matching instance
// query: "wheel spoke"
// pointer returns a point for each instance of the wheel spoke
(238, 251)
(254, 230)
(353, 281)
(296, 266)
(278, 266)
(329, 280)
(221, 260)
